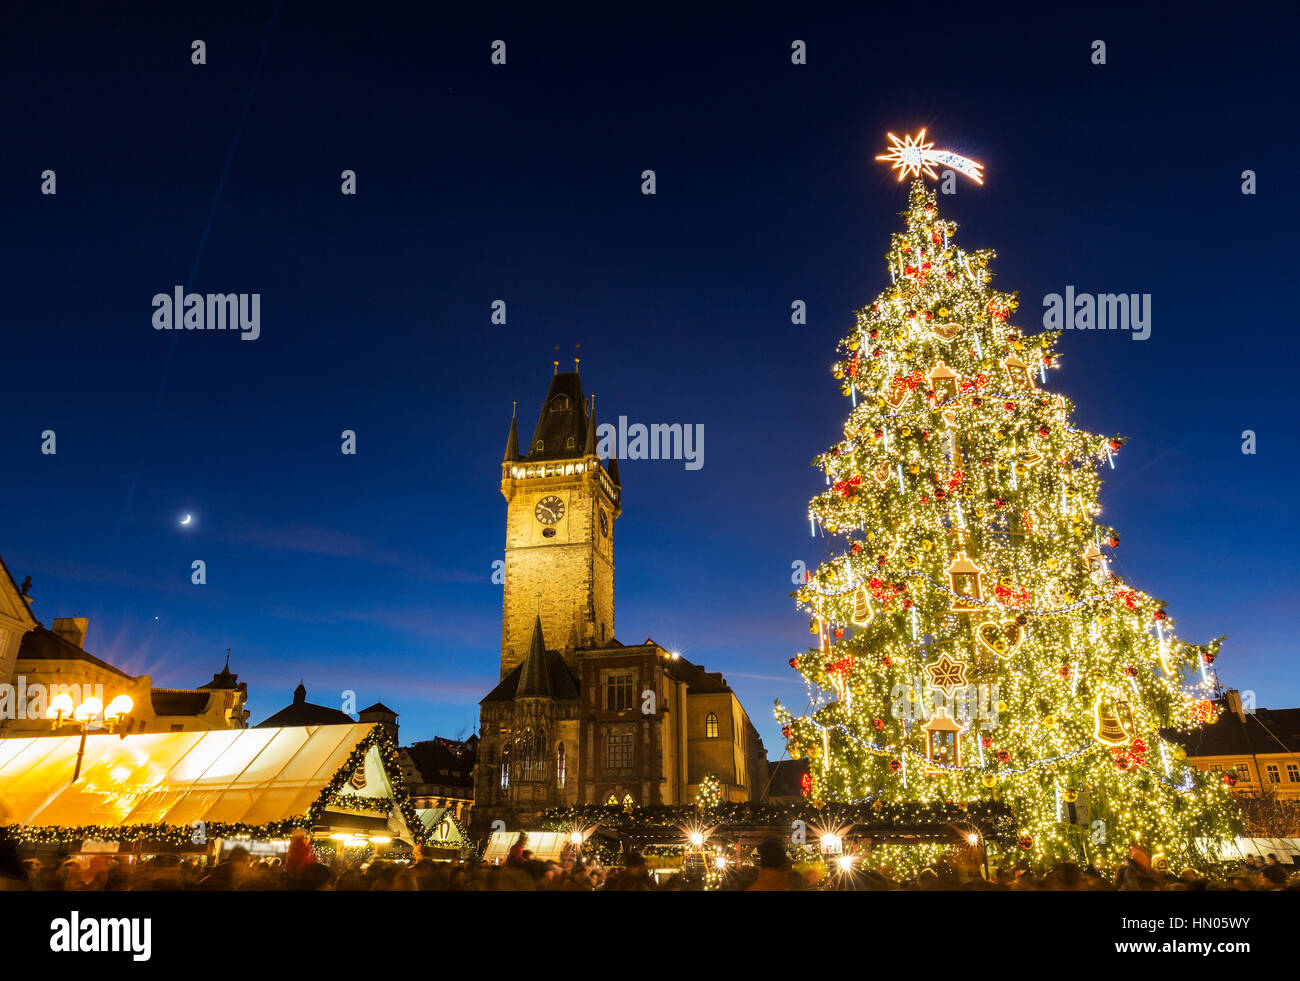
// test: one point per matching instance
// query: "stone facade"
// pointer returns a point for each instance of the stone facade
(579, 717)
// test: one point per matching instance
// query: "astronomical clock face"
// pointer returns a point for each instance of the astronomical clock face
(549, 510)
(604, 524)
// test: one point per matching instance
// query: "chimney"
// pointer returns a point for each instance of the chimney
(1232, 699)
(72, 629)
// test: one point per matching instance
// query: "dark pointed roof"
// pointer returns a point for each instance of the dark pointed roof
(542, 674)
(223, 680)
(304, 713)
(512, 441)
(535, 678)
(563, 417)
(379, 707)
(589, 448)
(611, 465)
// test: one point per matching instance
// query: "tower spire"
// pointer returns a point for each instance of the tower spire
(512, 440)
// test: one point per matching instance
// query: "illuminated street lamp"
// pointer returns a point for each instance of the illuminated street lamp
(90, 714)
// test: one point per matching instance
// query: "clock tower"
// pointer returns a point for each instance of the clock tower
(561, 505)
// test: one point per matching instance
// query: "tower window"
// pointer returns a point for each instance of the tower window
(618, 693)
(539, 446)
(570, 443)
(618, 751)
(561, 403)
(711, 726)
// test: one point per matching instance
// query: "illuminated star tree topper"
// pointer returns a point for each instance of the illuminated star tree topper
(913, 155)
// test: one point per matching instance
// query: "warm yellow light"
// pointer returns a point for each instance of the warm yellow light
(60, 704)
(576, 837)
(720, 863)
(119, 707)
(380, 840)
(845, 862)
(973, 838)
(91, 708)
(341, 836)
(697, 839)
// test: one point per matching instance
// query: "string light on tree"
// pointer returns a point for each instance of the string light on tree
(965, 546)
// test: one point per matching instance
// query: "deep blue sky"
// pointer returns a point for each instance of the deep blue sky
(522, 183)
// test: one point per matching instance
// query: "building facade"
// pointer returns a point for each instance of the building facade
(1259, 749)
(578, 716)
(38, 663)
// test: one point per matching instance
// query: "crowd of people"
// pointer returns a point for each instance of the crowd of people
(769, 868)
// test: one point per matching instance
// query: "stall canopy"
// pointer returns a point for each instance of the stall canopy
(257, 781)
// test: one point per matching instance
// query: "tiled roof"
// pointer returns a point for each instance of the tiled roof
(1264, 731)
(39, 644)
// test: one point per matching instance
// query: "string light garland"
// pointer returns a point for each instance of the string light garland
(334, 795)
(964, 502)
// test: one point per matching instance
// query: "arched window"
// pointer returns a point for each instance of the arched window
(570, 443)
(711, 726)
(559, 765)
(612, 802)
(505, 769)
(628, 802)
(539, 446)
(560, 403)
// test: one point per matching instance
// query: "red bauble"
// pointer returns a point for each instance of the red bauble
(839, 632)
(1003, 756)
(1207, 657)
(1043, 430)
(1064, 670)
(794, 662)
(857, 546)
(878, 723)
(1114, 541)
(1160, 615)
(986, 742)
(1131, 671)
(1115, 445)
(886, 660)
(1026, 842)
(895, 765)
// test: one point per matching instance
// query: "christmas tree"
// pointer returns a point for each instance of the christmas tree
(974, 640)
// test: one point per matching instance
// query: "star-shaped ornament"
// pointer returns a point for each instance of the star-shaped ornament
(947, 675)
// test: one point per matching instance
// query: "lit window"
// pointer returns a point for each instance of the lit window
(628, 802)
(711, 726)
(570, 443)
(560, 403)
(1243, 773)
(612, 801)
(1293, 772)
(618, 751)
(559, 765)
(618, 693)
(1273, 775)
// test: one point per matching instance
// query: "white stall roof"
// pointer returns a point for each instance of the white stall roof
(247, 776)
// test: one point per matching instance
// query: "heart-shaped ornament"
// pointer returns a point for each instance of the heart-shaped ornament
(1001, 638)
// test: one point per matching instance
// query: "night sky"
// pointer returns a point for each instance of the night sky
(523, 183)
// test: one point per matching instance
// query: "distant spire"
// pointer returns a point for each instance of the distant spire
(590, 448)
(512, 441)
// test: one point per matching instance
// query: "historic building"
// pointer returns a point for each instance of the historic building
(579, 717)
(37, 663)
(1260, 749)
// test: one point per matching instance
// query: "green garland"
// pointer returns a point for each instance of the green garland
(332, 795)
(994, 816)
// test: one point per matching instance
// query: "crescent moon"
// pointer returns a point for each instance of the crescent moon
(187, 519)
